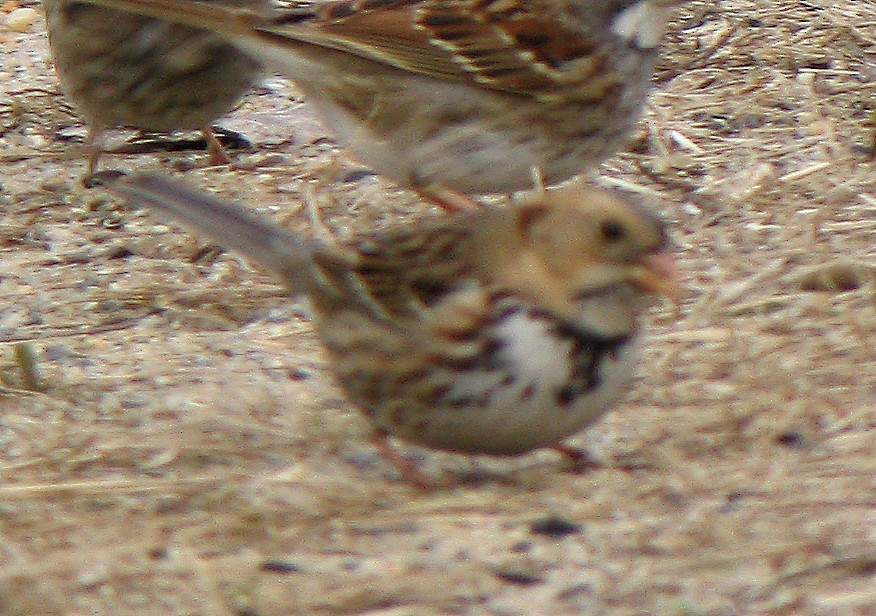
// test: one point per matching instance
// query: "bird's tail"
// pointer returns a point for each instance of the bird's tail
(282, 252)
(221, 17)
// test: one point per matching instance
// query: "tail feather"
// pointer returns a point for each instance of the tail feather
(280, 251)
(221, 17)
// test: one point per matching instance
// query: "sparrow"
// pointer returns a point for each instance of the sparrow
(123, 69)
(456, 97)
(495, 331)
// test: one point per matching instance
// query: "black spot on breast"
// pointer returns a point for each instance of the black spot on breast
(569, 393)
(586, 356)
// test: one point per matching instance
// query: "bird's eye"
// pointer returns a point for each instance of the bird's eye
(612, 230)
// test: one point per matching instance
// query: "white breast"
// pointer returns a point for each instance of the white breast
(516, 408)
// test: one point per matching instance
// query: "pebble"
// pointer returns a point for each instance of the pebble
(20, 20)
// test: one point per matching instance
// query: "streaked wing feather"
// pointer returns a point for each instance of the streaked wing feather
(399, 276)
(384, 32)
(519, 51)
(530, 48)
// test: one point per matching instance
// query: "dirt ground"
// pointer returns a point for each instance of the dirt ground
(171, 441)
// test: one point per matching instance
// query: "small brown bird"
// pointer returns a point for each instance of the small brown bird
(122, 69)
(497, 331)
(457, 96)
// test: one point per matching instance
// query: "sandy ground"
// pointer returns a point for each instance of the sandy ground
(179, 447)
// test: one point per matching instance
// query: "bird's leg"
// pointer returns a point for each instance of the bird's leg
(448, 199)
(580, 459)
(93, 147)
(319, 229)
(407, 469)
(218, 155)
